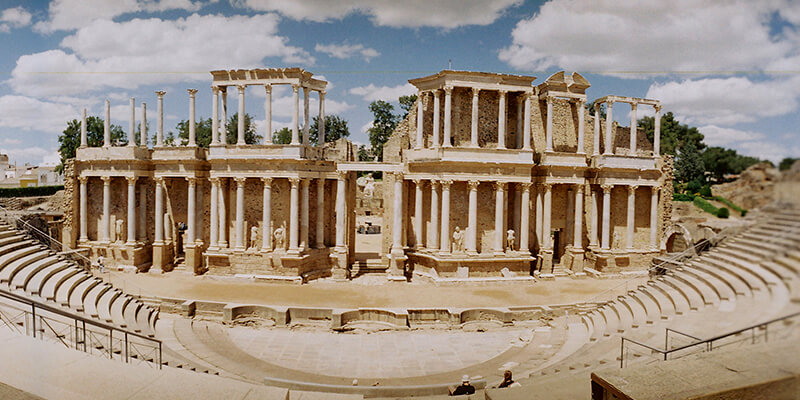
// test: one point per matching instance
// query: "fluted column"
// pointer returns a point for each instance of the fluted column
(474, 125)
(294, 211)
(306, 92)
(581, 126)
(191, 212)
(539, 219)
(295, 114)
(436, 116)
(632, 150)
(223, 135)
(84, 141)
(418, 213)
(526, 125)
(239, 224)
(593, 220)
(448, 109)
(143, 127)
(84, 209)
(547, 211)
(268, 114)
(160, 124)
(516, 208)
(131, 238)
(631, 221)
(472, 218)
(549, 126)
(445, 233)
(654, 218)
(304, 214)
(266, 215)
(214, 123)
(142, 229)
(518, 130)
(105, 231)
(192, 118)
(159, 211)
(657, 133)
(397, 220)
(418, 143)
(107, 126)
(609, 126)
(223, 214)
(525, 218)
(214, 211)
(499, 208)
(578, 232)
(605, 241)
(433, 231)
(321, 121)
(132, 124)
(341, 209)
(240, 119)
(597, 133)
(320, 233)
(501, 121)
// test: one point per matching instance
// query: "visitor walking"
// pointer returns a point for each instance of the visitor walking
(100, 265)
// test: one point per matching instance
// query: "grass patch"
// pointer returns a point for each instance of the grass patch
(730, 204)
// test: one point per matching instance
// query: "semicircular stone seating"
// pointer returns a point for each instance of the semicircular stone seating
(31, 269)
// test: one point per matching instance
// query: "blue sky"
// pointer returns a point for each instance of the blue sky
(730, 68)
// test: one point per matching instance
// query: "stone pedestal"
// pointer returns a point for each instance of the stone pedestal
(339, 264)
(574, 258)
(162, 258)
(545, 261)
(194, 258)
(397, 263)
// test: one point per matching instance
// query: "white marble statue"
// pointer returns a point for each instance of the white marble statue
(458, 240)
(510, 238)
(369, 187)
(280, 237)
(118, 230)
(253, 237)
(167, 227)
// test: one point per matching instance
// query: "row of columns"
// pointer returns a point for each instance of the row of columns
(84, 141)
(104, 230)
(523, 141)
(609, 149)
(605, 235)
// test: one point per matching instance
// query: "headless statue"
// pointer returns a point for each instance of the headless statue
(280, 236)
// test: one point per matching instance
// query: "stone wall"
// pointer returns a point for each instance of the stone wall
(69, 205)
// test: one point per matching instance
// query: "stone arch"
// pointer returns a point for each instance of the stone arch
(678, 239)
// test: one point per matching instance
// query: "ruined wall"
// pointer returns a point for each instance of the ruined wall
(70, 205)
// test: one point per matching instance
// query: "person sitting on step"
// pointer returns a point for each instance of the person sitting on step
(464, 388)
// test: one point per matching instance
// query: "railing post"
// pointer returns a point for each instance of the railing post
(84, 334)
(33, 318)
(160, 361)
(666, 340)
(622, 353)
(127, 355)
(766, 333)
(111, 344)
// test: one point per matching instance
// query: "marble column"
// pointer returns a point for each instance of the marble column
(516, 209)
(539, 219)
(192, 118)
(105, 232)
(294, 214)
(632, 150)
(609, 150)
(160, 123)
(433, 231)
(214, 122)
(577, 235)
(306, 92)
(436, 116)
(159, 211)
(445, 233)
(518, 131)
(593, 218)
(191, 209)
(501, 121)
(654, 218)
(214, 208)
(525, 218)
(304, 214)
(341, 209)
(448, 109)
(240, 140)
(657, 133)
(397, 214)
(631, 220)
(472, 218)
(474, 123)
(239, 223)
(223, 135)
(143, 127)
(499, 208)
(84, 140)
(131, 222)
(547, 211)
(266, 215)
(581, 126)
(84, 209)
(223, 214)
(549, 127)
(597, 133)
(320, 232)
(107, 126)
(268, 114)
(526, 124)
(132, 124)
(295, 114)
(321, 121)
(418, 213)
(142, 229)
(419, 138)
(605, 241)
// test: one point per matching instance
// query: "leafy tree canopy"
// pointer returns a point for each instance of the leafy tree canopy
(673, 134)
(786, 163)
(70, 138)
(202, 131)
(406, 102)
(689, 164)
(383, 125)
(335, 129)
(719, 161)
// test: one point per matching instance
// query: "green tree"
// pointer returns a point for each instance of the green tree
(202, 132)
(590, 108)
(720, 161)
(786, 163)
(689, 164)
(70, 138)
(364, 154)
(406, 102)
(335, 129)
(383, 125)
(282, 136)
(673, 133)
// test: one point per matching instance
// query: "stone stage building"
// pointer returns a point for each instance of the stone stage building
(488, 175)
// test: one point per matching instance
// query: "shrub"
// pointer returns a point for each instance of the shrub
(682, 197)
(730, 204)
(705, 205)
(693, 186)
(723, 212)
(30, 191)
(705, 191)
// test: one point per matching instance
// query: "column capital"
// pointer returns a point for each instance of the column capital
(192, 180)
(295, 87)
(304, 182)
(223, 89)
(657, 107)
(215, 180)
(580, 102)
(322, 94)
(446, 183)
(215, 89)
(158, 179)
(192, 92)
(106, 179)
(503, 93)
(448, 90)
(241, 88)
(500, 186)
(546, 186)
(417, 182)
(294, 181)
(268, 88)
(240, 180)
(632, 189)
(548, 98)
(131, 180)
(526, 186)
(579, 188)
(341, 175)
(434, 184)
(435, 92)
(475, 91)
(267, 181)
(609, 103)
(473, 184)
(634, 105)
(606, 188)
(161, 93)
(655, 189)
(83, 179)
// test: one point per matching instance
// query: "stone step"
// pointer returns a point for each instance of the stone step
(143, 318)
(735, 283)
(12, 268)
(721, 290)
(117, 308)
(104, 305)
(665, 305)
(746, 277)
(51, 284)
(706, 292)
(93, 298)
(598, 325)
(77, 297)
(636, 310)
(678, 300)
(64, 291)
(129, 315)
(21, 279)
(651, 311)
(622, 314)
(693, 298)
(34, 285)
(17, 254)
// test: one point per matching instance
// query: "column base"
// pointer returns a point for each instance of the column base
(397, 263)
(194, 259)
(574, 259)
(472, 252)
(544, 263)
(162, 257)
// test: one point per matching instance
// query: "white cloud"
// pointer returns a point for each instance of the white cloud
(718, 136)
(656, 36)
(386, 93)
(16, 17)
(410, 13)
(26, 114)
(344, 51)
(772, 151)
(33, 155)
(74, 14)
(725, 101)
(151, 51)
